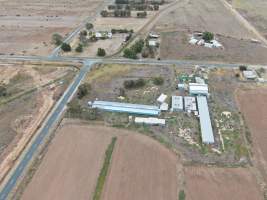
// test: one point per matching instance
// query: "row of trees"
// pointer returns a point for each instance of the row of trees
(116, 13)
(137, 7)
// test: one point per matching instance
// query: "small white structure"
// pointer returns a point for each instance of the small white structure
(190, 104)
(109, 35)
(193, 41)
(201, 42)
(153, 35)
(152, 43)
(216, 44)
(177, 103)
(200, 80)
(98, 35)
(250, 74)
(198, 89)
(164, 107)
(150, 121)
(181, 86)
(161, 99)
(208, 45)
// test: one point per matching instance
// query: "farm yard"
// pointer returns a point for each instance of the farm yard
(28, 29)
(86, 145)
(28, 92)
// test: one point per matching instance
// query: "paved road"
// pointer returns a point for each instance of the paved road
(51, 121)
(121, 61)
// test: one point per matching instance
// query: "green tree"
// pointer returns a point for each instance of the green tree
(83, 90)
(101, 52)
(66, 47)
(89, 26)
(104, 13)
(3, 91)
(208, 36)
(129, 53)
(57, 39)
(79, 48)
(158, 80)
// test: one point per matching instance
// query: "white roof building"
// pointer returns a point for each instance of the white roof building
(153, 35)
(190, 103)
(200, 80)
(198, 89)
(205, 124)
(164, 107)
(177, 103)
(150, 121)
(152, 43)
(162, 98)
(250, 74)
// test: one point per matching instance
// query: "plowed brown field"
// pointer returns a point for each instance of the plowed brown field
(207, 183)
(253, 105)
(142, 169)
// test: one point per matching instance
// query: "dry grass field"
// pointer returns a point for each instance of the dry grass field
(221, 183)
(31, 93)
(253, 106)
(26, 26)
(254, 11)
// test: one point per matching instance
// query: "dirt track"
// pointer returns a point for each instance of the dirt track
(141, 169)
(207, 183)
(253, 106)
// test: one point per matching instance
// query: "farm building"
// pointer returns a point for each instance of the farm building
(205, 124)
(164, 107)
(152, 43)
(149, 121)
(250, 74)
(162, 98)
(125, 107)
(198, 89)
(177, 103)
(200, 80)
(190, 104)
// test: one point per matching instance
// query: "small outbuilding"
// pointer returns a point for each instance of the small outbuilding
(250, 74)
(177, 104)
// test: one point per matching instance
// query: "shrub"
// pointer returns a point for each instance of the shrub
(66, 47)
(57, 39)
(129, 53)
(208, 36)
(101, 52)
(3, 91)
(242, 68)
(138, 46)
(181, 195)
(79, 48)
(89, 26)
(104, 13)
(130, 84)
(83, 90)
(158, 80)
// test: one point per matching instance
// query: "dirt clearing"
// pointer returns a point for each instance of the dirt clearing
(221, 183)
(253, 106)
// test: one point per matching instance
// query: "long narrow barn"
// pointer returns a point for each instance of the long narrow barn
(126, 108)
(205, 123)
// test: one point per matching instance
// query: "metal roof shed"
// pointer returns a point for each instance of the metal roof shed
(177, 103)
(205, 123)
(126, 107)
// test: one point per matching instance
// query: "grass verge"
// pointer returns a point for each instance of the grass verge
(104, 171)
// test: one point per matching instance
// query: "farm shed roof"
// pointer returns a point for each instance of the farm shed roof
(126, 107)
(205, 124)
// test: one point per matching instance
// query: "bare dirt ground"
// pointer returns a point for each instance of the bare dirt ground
(71, 166)
(26, 26)
(211, 183)
(194, 15)
(252, 103)
(25, 106)
(175, 45)
(141, 169)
